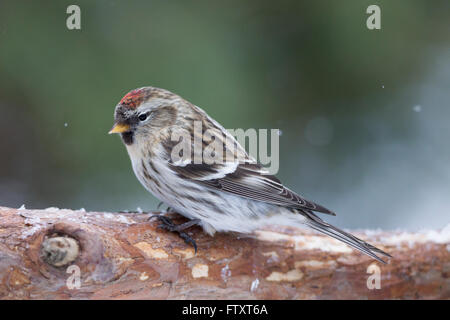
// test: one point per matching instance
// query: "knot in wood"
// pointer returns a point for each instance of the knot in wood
(59, 251)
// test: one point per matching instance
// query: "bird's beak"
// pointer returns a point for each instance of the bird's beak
(119, 128)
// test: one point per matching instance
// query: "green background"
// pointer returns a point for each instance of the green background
(364, 114)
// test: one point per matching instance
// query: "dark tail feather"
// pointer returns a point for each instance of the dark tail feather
(318, 224)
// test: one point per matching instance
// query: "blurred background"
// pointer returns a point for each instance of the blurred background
(364, 114)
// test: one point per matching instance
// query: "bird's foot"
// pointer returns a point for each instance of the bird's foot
(167, 224)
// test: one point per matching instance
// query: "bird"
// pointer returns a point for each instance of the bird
(167, 137)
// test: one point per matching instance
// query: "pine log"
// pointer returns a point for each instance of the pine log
(66, 254)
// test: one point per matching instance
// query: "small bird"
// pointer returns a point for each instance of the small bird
(165, 138)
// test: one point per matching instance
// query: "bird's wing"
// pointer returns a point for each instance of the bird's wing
(242, 176)
(248, 180)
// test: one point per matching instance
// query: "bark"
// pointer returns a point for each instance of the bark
(125, 256)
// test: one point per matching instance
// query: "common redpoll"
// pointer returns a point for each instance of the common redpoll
(231, 193)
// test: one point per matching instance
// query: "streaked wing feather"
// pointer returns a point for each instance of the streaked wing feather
(247, 180)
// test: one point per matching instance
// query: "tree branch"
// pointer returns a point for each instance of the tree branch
(124, 256)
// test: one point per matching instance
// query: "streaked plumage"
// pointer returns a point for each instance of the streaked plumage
(235, 195)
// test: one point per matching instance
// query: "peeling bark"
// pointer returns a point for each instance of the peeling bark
(124, 256)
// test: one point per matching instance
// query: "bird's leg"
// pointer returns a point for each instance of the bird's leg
(167, 224)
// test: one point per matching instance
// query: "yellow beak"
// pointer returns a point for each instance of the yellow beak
(119, 128)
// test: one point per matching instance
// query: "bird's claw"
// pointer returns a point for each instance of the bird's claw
(167, 224)
(187, 239)
(168, 209)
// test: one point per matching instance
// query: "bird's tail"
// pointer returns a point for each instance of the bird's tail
(318, 224)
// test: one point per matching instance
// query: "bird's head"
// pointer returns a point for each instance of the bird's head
(144, 111)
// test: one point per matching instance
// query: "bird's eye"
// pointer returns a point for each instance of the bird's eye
(142, 116)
